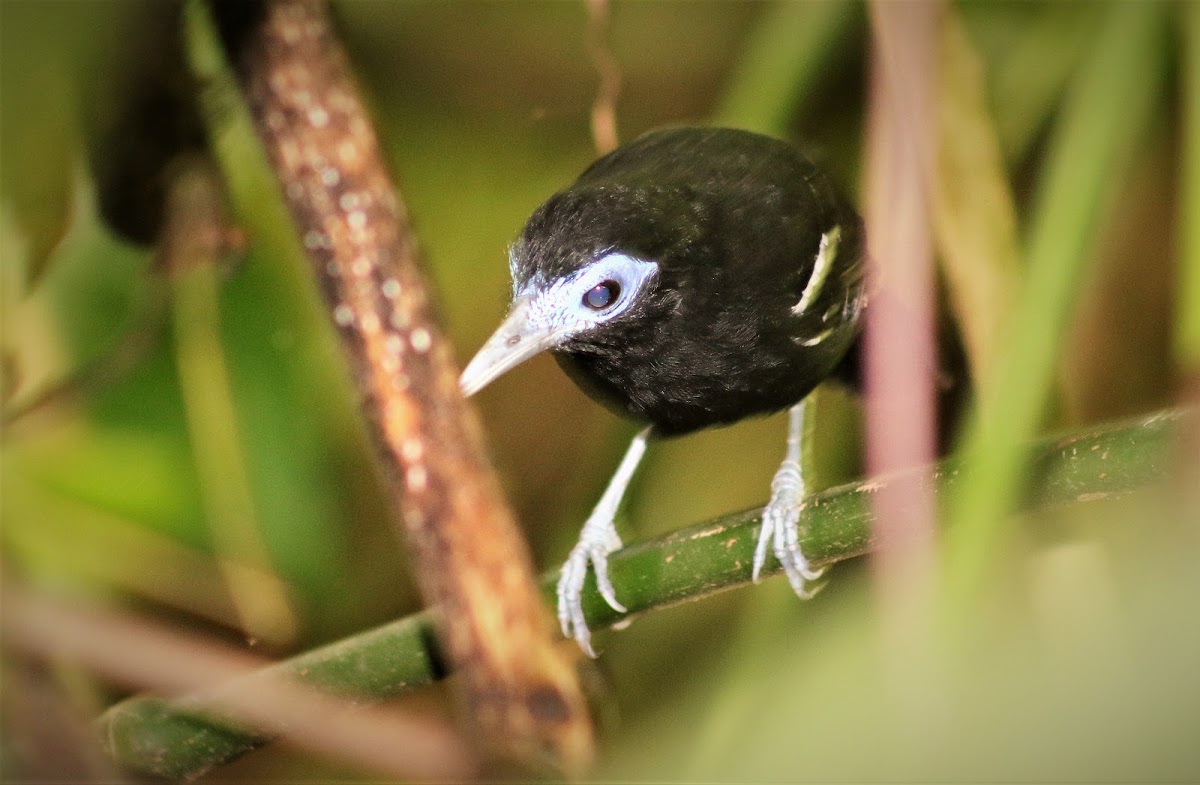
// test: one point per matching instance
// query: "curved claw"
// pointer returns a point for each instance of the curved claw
(570, 588)
(765, 535)
(780, 530)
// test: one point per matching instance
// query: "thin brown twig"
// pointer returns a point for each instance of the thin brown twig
(604, 108)
(471, 562)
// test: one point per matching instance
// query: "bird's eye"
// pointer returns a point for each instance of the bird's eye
(602, 295)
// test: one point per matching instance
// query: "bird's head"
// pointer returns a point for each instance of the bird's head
(588, 269)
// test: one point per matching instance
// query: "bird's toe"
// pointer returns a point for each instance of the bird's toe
(765, 535)
(603, 582)
(570, 586)
(570, 601)
(781, 530)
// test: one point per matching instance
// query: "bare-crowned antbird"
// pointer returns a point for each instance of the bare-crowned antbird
(692, 278)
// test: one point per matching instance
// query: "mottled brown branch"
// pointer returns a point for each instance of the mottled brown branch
(472, 564)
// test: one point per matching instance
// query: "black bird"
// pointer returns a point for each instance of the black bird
(692, 278)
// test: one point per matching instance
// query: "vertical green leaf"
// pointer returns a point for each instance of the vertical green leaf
(1187, 335)
(1108, 107)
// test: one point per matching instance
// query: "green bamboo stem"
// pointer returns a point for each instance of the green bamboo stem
(177, 738)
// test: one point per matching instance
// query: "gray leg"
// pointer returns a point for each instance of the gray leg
(782, 514)
(598, 539)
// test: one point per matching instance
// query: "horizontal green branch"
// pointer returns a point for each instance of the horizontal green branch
(177, 738)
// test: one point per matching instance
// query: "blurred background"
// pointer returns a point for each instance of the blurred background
(195, 454)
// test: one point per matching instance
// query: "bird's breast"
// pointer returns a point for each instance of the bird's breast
(702, 376)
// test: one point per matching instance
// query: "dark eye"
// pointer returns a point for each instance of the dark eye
(602, 295)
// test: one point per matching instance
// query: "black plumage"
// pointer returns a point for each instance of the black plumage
(692, 278)
(735, 221)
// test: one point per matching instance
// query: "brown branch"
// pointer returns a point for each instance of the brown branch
(472, 564)
(604, 107)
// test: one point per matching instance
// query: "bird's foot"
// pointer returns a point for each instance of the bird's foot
(598, 539)
(780, 530)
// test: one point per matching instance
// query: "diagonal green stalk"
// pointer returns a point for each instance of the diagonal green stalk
(263, 607)
(1109, 105)
(782, 63)
(177, 738)
(1028, 79)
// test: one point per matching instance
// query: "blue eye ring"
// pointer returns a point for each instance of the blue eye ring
(602, 295)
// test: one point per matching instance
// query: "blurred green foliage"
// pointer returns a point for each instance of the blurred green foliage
(1084, 665)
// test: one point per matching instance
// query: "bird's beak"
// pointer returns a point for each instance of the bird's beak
(516, 340)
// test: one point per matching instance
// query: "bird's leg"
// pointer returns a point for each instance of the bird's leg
(782, 514)
(598, 539)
